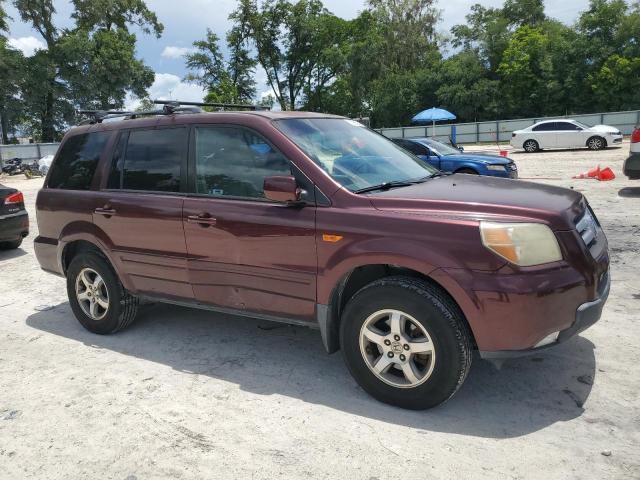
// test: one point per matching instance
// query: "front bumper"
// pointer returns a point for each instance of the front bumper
(587, 314)
(14, 226)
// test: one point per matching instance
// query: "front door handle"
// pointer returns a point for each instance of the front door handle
(107, 211)
(204, 219)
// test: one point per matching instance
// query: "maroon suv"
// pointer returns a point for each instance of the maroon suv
(316, 220)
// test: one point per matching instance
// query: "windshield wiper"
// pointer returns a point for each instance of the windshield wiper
(388, 185)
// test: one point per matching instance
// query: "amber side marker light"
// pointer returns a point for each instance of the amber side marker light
(327, 237)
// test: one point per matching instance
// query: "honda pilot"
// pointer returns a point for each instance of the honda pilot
(316, 220)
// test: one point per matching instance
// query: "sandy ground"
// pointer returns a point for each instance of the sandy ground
(189, 394)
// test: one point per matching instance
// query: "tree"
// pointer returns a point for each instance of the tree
(12, 64)
(92, 65)
(116, 15)
(226, 82)
(408, 29)
(287, 40)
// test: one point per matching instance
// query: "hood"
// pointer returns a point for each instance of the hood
(479, 157)
(483, 197)
(604, 128)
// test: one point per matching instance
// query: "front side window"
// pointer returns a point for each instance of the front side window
(153, 159)
(351, 154)
(567, 127)
(442, 148)
(234, 161)
(76, 163)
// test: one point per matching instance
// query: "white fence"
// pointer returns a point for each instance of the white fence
(500, 130)
(27, 152)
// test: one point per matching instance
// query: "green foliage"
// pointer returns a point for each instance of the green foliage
(226, 82)
(92, 65)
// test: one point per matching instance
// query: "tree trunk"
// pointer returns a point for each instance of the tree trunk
(47, 121)
(4, 125)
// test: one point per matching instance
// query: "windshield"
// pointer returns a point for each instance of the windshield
(351, 154)
(441, 148)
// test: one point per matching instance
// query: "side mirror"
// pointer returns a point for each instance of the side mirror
(282, 188)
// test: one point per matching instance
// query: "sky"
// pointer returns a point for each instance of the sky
(189, 21)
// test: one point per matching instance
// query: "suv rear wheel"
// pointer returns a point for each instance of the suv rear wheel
(405, 342)
(97, 298)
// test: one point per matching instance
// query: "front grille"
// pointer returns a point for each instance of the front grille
(587, 226)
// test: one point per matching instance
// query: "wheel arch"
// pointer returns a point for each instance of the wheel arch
(329, 315)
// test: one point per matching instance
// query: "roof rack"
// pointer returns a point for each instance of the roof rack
(169, 107)
(221, 106)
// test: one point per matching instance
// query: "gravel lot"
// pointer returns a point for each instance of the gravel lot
(190, 394)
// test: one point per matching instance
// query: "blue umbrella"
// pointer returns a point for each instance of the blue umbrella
(433, 115)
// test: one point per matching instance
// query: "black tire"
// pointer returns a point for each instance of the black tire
(531, 146)
(123, 306)
(11, 245)
(596, 143)
(468, 171)
(441, 318)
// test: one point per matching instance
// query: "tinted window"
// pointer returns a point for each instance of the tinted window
(77, 161)
(566, 126)
(232, 161)
(545, 127)
(117, 162)
(153, 159)
(416, 148)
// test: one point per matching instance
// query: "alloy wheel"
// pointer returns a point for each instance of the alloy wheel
(595, 143)
(397, 348)
(92, 294)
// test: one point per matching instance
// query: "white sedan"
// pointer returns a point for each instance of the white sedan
(565, 134)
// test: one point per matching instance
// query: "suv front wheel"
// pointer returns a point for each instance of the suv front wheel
(98, 299)
(405, 342)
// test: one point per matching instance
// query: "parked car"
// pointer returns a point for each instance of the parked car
(14, 220)
(565, 134)
(316, 220)
(450, 159)
(631, 166)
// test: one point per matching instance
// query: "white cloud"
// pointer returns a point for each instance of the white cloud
(27, 45)
(167, 86)
(175, 52)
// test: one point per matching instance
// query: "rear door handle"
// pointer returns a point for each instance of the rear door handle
(203, 219)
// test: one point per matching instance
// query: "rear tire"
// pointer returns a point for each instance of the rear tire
(428, 360)
(11, 245)
(98, 299)
(531, 146)
(596, 143)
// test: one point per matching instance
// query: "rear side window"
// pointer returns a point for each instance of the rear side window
(545, 127)
(153, 160)
(77, 161)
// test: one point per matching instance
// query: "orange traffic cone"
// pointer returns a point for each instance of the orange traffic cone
(606, 174)
(593, 173)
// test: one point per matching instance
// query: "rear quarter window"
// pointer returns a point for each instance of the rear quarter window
(77, 160)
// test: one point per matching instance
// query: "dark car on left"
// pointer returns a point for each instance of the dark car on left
(14, 220)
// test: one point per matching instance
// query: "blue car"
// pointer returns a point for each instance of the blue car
(448, 159)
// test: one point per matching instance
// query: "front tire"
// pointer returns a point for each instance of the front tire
(596, 143)
(98, 299)
(405, 342)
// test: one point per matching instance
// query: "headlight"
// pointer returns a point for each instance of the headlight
(524, 244)
(499, 168)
